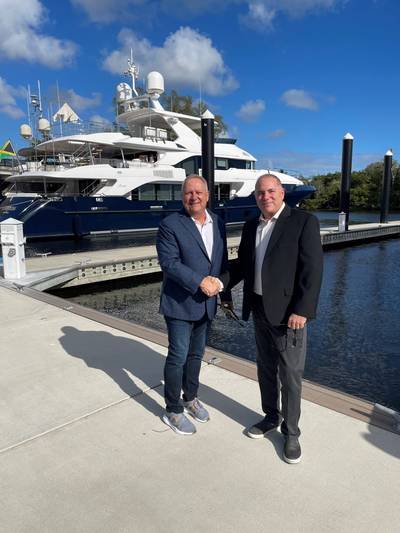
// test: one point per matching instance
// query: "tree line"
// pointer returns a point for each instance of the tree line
(365, 189)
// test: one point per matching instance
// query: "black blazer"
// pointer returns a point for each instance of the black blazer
(291, 270)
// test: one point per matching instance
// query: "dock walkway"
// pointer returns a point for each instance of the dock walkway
(83, 448)
(67, 270)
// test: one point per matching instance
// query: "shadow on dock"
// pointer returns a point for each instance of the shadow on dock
(128, 361)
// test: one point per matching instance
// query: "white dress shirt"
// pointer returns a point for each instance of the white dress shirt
(263, 235)
(206, 231)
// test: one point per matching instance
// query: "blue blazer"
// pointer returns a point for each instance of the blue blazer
(184, 263)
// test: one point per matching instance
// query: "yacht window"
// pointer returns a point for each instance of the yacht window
(157, 191)
(190, 165)
(222, 192)
(221, 164)
(39, 187)
(87, 187)
(238, 163)
(147, 192)
(177, 192)
(164, 192)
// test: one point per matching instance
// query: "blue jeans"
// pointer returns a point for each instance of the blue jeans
(186, 344)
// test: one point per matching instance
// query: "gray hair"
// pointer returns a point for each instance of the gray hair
(197, 177)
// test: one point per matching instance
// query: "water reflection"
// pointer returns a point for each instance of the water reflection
(107, 242)
(353, 346)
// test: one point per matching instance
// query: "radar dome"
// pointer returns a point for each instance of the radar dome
(25, 131)
(155, 84)
(43, 125)
(123, 92)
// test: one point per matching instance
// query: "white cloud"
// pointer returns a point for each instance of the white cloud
(259, 16)
(186, 58)
(262, 13)
(8, 103)
(20, 38)
(98, 119)
(300, 99)
(251, 110)
(80, 103)
(106, 11)
(275, 134)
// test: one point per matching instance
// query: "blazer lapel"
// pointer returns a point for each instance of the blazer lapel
(252, 244)
(191, 227)
(278, 229)
(216, 236)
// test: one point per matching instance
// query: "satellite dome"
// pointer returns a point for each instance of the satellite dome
(155, 84)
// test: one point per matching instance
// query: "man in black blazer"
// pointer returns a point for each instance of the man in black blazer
(280, 261)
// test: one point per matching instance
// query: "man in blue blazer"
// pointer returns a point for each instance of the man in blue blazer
(191, 247)
(280, 261)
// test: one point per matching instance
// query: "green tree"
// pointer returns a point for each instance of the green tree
(184, 104)
(365, 189)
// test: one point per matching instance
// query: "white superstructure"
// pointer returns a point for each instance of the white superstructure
(154, 148)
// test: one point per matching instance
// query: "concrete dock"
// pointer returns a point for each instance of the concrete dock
(83, 448)
(68, 270)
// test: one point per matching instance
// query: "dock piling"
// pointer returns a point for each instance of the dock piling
(347, 155)
(207, 154)
(387, 181)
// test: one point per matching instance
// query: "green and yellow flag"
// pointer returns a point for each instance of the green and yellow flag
(7, 150)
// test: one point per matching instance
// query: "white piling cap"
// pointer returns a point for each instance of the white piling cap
(348, 136)
(389, 152)
(207, 114)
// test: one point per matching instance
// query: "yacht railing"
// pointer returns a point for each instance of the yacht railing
(76, 128)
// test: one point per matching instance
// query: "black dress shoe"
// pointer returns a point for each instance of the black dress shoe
(292, 450)
(261, 428)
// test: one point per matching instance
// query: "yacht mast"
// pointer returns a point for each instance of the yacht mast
(133, 72)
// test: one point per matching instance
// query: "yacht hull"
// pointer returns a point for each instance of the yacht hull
(77, 216)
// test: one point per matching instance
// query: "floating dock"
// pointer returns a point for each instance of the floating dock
(69, 270)
(83, 447)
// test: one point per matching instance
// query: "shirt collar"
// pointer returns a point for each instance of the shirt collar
(207, 221)
(262, 220)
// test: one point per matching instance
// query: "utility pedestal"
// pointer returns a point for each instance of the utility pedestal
(342, 222)
(12, 244)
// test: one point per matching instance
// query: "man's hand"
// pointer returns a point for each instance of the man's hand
(210, 286)
(296, 321)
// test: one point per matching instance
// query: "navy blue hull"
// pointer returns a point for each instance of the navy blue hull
(78, 216)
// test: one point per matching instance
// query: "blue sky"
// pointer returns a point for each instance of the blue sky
(290, 77)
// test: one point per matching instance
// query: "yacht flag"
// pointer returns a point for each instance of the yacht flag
(7, 150)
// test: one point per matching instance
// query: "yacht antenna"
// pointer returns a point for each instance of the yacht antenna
(59, 107)
(28, 100)
(133, 72)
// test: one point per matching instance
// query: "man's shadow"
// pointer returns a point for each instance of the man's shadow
(126, 360)
(386, 440)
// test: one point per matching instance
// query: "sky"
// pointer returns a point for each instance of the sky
(289, 77)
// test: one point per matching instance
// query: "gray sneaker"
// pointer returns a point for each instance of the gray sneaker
(179, 423)
(196, 410)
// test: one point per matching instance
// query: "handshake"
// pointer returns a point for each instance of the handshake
(210, 286)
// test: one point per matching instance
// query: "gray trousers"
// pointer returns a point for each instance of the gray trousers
(281, 354)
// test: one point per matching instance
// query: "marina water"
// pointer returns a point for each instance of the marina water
(353, 345)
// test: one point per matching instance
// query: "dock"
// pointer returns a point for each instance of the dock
(70, 270)
(83, 447)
